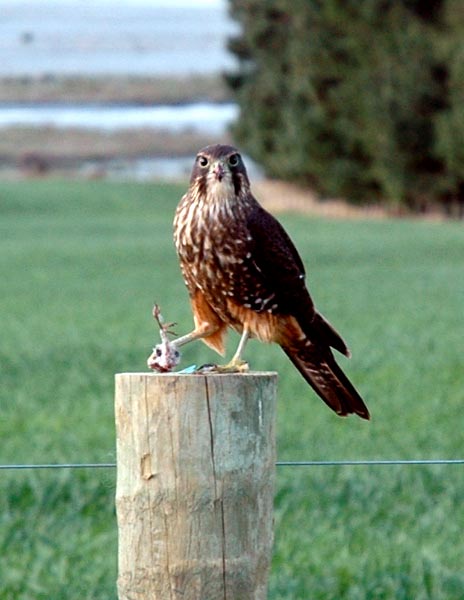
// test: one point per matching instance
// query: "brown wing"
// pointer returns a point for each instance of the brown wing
(275, 263)
(279, 265)
(276, 259)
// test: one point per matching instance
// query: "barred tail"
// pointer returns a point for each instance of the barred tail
(318, 367)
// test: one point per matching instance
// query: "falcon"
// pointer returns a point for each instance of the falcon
(243, 271)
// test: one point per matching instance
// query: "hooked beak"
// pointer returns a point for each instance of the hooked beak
(219, 171)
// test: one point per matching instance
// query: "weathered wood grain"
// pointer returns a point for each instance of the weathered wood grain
(195, 485)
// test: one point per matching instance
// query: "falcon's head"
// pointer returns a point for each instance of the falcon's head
(219, 172)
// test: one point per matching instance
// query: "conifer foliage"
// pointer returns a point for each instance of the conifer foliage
(358, 98)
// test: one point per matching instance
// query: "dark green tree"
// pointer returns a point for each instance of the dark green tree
(350, 96)
(449, 125)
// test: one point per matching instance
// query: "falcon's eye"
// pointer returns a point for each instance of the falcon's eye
(234, 160)
(203, 161)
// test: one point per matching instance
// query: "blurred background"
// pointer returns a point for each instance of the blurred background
(127, 89)
(355, 101)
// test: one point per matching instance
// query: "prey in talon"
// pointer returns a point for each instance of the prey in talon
(165, 356)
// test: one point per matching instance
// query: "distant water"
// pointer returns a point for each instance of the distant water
(119, 37)
(146, 169)
(212, 118)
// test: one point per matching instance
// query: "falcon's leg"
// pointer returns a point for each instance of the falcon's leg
(201, 331)
(237, 364)
(237, 357)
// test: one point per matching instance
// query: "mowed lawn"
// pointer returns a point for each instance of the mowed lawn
(81, 265)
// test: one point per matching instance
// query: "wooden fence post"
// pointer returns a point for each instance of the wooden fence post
(195, 485)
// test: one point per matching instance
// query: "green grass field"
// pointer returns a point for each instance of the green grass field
(82, 264)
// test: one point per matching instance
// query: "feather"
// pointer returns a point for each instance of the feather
(328, 380)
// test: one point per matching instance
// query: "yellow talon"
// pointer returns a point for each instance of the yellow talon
(234, 366)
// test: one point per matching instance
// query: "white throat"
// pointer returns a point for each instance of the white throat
(221, 192)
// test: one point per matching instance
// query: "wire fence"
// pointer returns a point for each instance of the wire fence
(283, 463)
